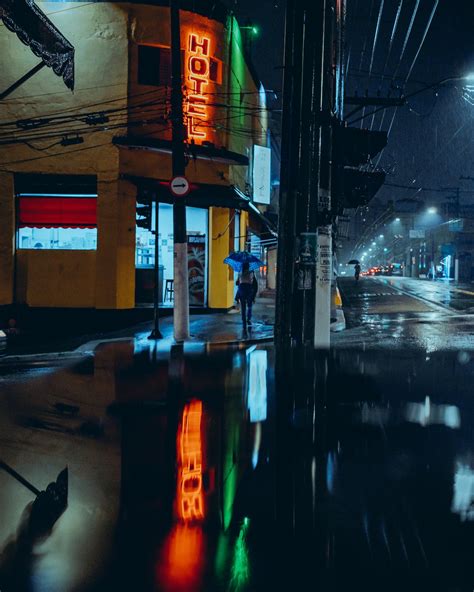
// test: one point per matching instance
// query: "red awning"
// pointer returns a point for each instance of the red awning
(57, 212)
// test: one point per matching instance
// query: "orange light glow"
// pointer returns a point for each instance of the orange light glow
(180, 565)
(190, 495)
(198, 70)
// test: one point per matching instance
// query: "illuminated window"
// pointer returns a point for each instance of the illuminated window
(77, 239)
(56, 212)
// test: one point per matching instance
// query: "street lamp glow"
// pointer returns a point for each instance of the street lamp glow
(432, 211)
(470, 77)
(374, 243)
(370, 249)
(385, 249)
(380, 235)
(397, 220)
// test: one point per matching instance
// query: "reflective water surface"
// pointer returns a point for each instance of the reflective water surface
(241, 469)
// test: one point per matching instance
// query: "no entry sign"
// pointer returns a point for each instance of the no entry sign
(179, 186)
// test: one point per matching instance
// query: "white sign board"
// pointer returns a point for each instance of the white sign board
(179, 186)
(261, 174)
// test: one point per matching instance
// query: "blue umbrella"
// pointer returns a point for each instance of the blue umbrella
(237, 259)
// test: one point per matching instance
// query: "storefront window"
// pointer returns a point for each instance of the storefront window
(57, 238)
(56, 221)
(237, 231)
(197, 230)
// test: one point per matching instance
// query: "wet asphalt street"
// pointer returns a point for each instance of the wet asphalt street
(396, 312)
(248, 469)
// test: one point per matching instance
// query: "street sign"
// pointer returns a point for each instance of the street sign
(179, 186)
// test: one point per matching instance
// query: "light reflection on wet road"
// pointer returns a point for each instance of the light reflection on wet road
(207, 470)
(387, 313)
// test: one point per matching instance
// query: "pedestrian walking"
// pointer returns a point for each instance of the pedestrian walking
(246, 294)
(356, 271)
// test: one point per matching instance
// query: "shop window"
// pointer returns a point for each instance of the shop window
(215, 71)
(78, 239)
(154, 65)
(57, 221)
(197, 230)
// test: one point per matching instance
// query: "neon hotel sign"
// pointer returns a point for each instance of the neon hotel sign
(190, 494)
(198, 78)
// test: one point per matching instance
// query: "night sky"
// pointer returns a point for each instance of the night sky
(431, 140)
(267, 47)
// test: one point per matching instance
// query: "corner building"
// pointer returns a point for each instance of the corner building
(75, 168)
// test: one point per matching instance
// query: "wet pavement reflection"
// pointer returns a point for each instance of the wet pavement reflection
(209, 469)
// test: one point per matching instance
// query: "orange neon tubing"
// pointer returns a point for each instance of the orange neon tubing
(189, 494)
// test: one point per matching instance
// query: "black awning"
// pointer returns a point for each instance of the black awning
(202, 195)
(361, 186)
(34, 29)
(200, 152)
(355, 146)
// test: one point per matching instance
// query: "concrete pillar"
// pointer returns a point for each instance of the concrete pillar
(115, 276)
(220, 282)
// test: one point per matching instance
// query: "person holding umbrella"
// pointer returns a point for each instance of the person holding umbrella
(245, 264)
(356, 265)
(246, 294)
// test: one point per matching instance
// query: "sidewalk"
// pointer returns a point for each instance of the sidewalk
(215, 328)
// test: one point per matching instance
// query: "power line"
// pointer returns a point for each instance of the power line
(43, 128)
(376, 34)
(392, 37)
(407, 36)
(81, 107)
(425, 33)
(427, 28)
(362, 55)
(23, 161)
(430, 189)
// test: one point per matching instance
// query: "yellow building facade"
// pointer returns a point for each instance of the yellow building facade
(73, 165)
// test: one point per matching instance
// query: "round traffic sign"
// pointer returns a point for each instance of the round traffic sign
(179, 186)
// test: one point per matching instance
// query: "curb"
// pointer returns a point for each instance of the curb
(87, 351)
(340, 323)
(39, 360)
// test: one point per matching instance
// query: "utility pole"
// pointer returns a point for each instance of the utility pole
(181, 293)
(331, 111)
(156, 333)
(305, 231)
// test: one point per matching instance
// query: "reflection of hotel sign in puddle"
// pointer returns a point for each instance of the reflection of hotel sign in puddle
(198, 78)
(190, 498)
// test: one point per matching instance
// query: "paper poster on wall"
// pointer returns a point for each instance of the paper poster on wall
(196, 269)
